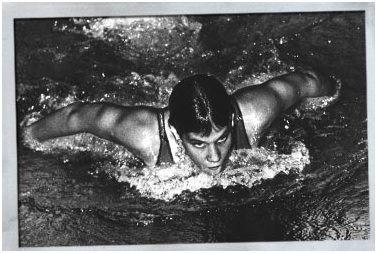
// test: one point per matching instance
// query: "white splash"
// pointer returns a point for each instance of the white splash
(246, 167)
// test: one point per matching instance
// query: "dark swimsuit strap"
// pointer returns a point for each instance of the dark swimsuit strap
(165, 155)
(241, 141)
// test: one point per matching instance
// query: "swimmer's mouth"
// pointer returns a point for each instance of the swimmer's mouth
(215, 167)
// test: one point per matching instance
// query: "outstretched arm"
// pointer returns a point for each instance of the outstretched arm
(292, 88)
(262, 104)
(135, 128)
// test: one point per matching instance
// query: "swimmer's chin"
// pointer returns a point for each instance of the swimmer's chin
(212, 171)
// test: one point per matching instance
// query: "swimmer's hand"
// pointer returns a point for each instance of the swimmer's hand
(315, 103)
(28, 139)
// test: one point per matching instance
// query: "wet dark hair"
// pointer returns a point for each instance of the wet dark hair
(198, 103)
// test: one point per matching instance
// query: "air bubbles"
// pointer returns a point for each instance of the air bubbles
(283, 40)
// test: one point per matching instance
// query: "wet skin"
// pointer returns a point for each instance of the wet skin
(211, 152)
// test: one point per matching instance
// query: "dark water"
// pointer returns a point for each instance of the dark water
(70, 197)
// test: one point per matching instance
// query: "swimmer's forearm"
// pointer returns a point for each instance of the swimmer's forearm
(291, 88)
(60, 123)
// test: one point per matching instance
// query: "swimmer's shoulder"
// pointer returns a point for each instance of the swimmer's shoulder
(258, 107)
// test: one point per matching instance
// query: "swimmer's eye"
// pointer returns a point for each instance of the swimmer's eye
(223, 139)
(198, 144)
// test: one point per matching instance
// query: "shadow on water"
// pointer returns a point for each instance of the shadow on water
(65, 200)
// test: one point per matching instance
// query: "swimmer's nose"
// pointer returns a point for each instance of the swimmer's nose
(213, 154)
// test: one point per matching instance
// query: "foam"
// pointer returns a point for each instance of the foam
(247, 167)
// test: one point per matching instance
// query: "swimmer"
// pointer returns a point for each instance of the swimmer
(201, 117)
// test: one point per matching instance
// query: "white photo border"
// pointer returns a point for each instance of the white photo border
(16, 10)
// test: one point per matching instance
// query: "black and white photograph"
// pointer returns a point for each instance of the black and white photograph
(192, 128)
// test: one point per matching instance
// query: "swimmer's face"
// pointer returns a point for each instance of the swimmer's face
(211, 152)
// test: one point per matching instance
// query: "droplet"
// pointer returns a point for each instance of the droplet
(282, 40)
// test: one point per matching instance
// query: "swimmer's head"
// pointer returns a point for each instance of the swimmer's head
(198, 104)
(201, 112)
